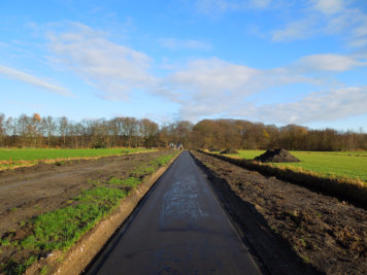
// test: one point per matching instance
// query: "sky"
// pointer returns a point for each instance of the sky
(272, 61)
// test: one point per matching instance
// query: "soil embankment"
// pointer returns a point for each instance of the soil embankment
(353, 191)
(329, 234)
(277, 155)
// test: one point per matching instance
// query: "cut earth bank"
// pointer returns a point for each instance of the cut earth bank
(328, 234)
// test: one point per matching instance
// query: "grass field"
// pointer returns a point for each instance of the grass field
(329, 164)
(29, 156)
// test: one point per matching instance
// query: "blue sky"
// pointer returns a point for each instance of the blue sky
(275, 61)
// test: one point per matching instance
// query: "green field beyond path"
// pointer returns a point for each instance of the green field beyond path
(14, 156)
(337, 164)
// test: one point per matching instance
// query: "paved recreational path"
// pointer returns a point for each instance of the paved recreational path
(179, 229)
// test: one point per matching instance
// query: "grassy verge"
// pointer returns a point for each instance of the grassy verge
(343, 165)
(352, 190)
(10, 158)
(62, 228)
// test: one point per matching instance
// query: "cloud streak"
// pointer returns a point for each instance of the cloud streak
(213, 87)
(329, 6)
(112, 68)
(320, 106)
(329, 62)
(34, 81)
(326, 17)
(219, 6)
(180, 44)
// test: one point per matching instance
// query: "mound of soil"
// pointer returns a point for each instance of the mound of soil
(229, 151)
(277, 155)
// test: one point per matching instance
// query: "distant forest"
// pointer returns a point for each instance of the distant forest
(37, 131)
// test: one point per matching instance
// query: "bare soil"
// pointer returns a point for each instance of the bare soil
(30, 191)
(277, 155)
(278, 219)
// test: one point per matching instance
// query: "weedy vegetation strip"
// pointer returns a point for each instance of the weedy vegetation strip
(62, 228)
(354, 191)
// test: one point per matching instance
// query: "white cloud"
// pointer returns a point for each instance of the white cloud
(206, 87)
(260, 3)
(113, 69)
(209, 6)
(329, 6)
(208, 76)
(320, 106)
(216, 6)
(32, 80)
(178, 44)
(329, 62)
(358, 42)
(212, 86)
(326, 17)
(295, 30)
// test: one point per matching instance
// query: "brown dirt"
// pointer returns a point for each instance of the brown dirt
(276, 155)
(329, 234)
(30, 191)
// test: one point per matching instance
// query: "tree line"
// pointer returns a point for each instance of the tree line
(37, 131)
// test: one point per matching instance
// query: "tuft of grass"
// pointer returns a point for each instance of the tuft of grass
(44, 270)
(14, 268)
(152, 165)
(130, 182)
(115, 181)
(5, 242)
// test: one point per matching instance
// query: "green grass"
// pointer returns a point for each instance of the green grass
(29, 156)
(329, 164)
(130, 181)
(152, 166)
(61, 228)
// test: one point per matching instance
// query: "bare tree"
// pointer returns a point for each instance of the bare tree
(2, 129)
(63, 128)
(130, 127)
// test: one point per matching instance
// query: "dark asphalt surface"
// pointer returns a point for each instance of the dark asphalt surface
(179, 229)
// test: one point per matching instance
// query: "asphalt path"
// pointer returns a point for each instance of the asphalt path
(180, 228)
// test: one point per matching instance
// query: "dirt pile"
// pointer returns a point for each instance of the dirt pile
(277, 155)
(213, 149)
(229, 151)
